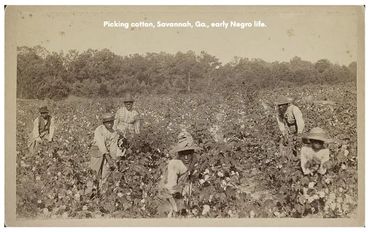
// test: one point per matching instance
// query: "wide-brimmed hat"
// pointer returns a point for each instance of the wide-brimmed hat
(318, 134)
(108, 117)
(128, 98)
(282, 100)
(43, 109)
(185, 143)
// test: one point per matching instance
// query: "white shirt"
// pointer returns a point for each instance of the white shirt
(175, 170)
(126, 121)
(293, 115)
(106, 141)
(307, 153)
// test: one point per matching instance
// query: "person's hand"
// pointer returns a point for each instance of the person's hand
(177, 195)
(285, 140)
(186, 190)
(306, 171)
(298, 139)
(112, 168)
(121, 133)
(112, 165)
(108, 159)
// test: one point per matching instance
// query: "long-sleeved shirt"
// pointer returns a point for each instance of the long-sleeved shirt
(106, 141)
(291, 118)
(175, 176)
(127, 121)
(307, 153)
(43, 128)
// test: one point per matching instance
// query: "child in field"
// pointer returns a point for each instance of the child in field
(176, 183)
(127, 119)
(315, 154)
(43, 129)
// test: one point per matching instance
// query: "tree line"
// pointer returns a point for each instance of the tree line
(101, 73)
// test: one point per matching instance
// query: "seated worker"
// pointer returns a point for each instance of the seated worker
(315, 154)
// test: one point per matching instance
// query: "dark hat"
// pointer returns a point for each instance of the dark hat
(43, 109)
(108, 117)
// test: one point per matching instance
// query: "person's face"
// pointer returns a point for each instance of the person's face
(44, 115)
(129, 105)
(317, 144)
(186, 156)
(108, 125)
(282, 108)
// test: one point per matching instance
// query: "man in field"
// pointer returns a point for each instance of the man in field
(103, 151)
(289, 119)
(127, 119)
(43, 129)
(175, 187)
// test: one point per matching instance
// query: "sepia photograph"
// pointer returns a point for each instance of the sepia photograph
(184, 115)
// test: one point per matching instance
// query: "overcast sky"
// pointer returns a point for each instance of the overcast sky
(310, 33)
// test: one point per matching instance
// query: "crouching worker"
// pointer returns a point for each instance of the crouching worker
(315, 154)
(103, 152)
(175, 187)
(43, 129)
(291, 124)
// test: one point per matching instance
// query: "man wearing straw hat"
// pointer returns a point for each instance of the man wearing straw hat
(43, 129)
(176, 184)
(103, 151)
(289, 116)
(290, 122)
(127, 119)
(314, 155)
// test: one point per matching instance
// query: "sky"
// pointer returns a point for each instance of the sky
(311, 33)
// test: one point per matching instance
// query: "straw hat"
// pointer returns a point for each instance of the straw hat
(282, 100)
(43, 109)
(128, 98)
(317, 134)
(108, 117)
(185, 143)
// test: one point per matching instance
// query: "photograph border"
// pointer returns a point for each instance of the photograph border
(10, 150)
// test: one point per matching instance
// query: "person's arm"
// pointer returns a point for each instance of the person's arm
(52, 129)
(137, 123)
(99, 141)
(304, 161)
(116, 120)
(299, 119)
(35, 130)
(281, 124)
(171, 177)
(175, 168)
(324, 157)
